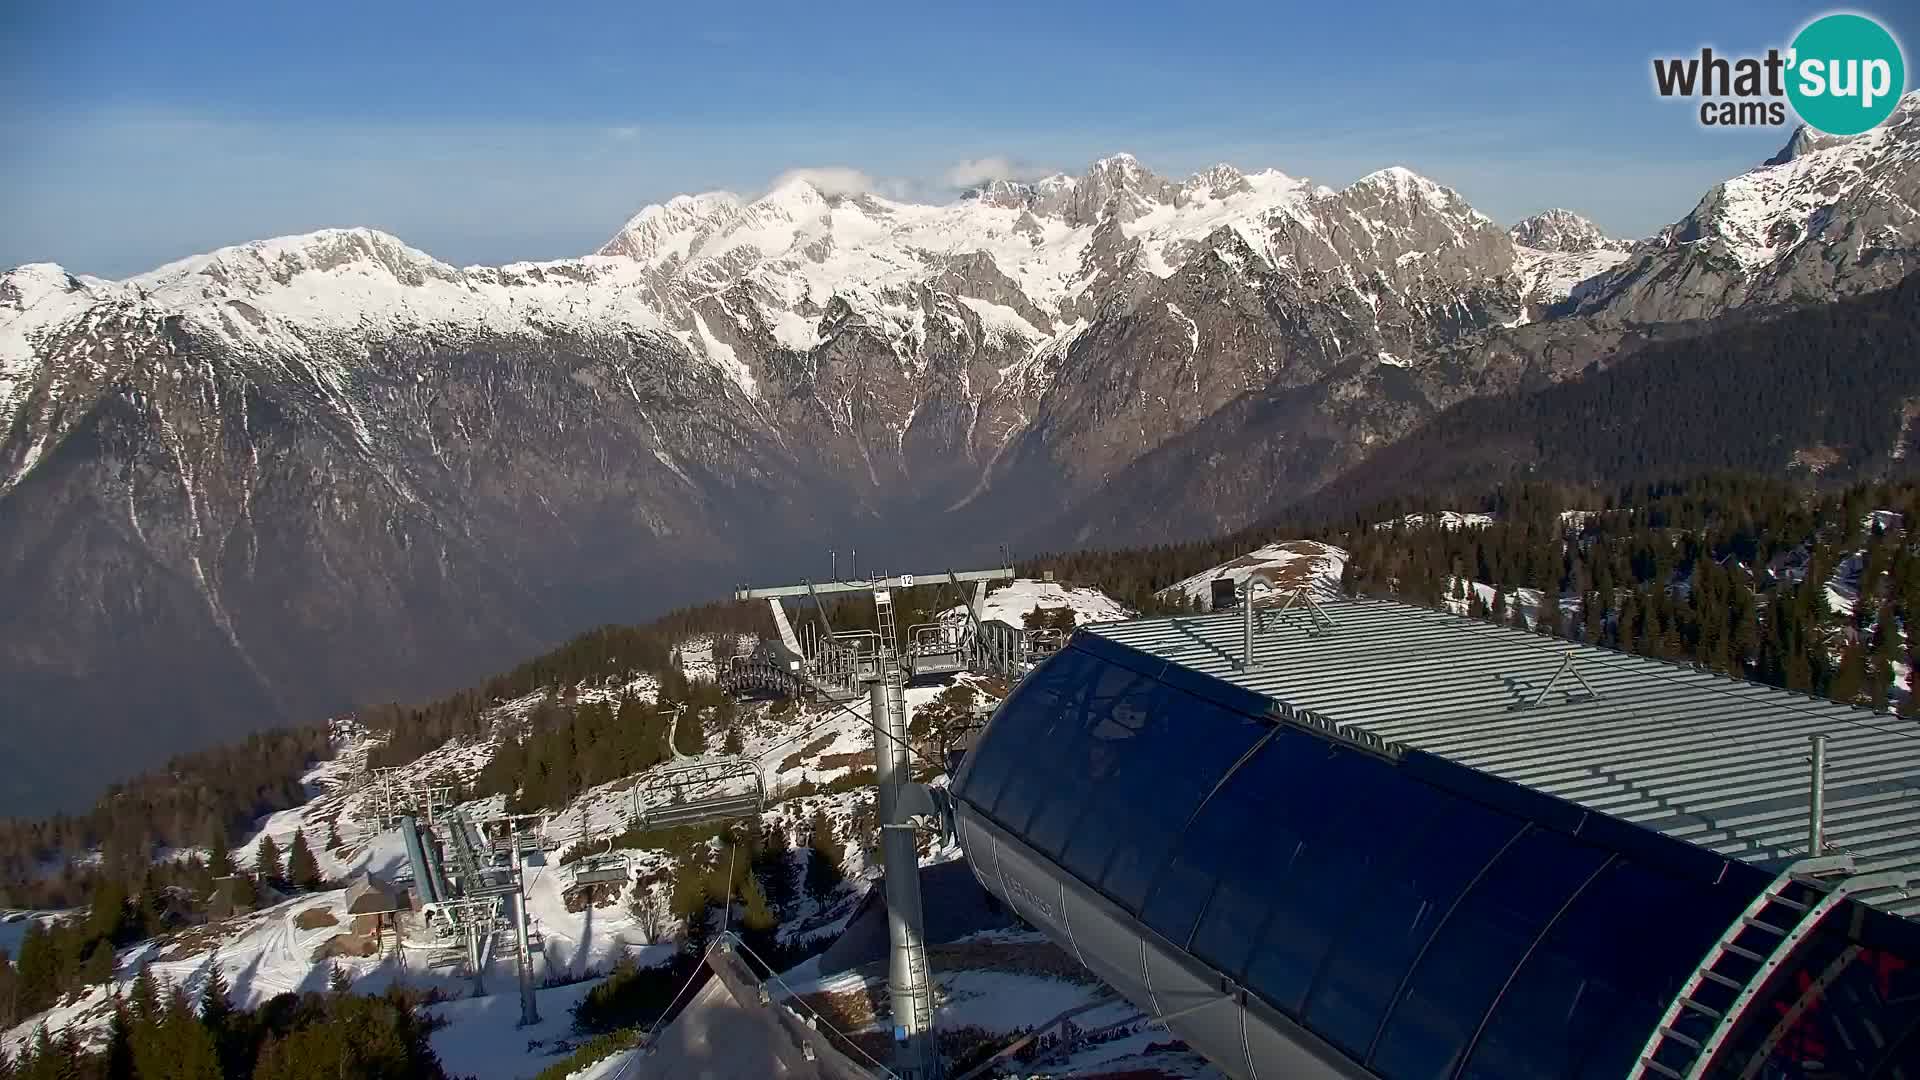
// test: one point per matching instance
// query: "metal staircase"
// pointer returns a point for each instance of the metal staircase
(1716, 996)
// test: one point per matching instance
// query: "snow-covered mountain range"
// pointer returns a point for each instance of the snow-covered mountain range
(293, 474)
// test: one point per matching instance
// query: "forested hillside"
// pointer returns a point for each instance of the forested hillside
(1830, 393)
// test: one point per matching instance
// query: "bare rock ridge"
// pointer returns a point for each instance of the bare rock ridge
(1563, 231)
(279, 478)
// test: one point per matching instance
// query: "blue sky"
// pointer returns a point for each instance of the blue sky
(141, 132)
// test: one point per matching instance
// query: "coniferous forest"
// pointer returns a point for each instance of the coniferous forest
(158, 1033)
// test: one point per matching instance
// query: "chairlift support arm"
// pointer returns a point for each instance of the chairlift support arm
(898, 581)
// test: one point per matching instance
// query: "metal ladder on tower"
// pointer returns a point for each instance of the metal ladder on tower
(1727, 980)
(919, 977)
(889, 635)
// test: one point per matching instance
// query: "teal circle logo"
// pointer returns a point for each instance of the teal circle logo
(1846, 75)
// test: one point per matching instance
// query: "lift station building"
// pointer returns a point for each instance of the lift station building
(1375, 840)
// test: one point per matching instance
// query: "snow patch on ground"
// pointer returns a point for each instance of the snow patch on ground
(1445, 519)
(1291, 564)
(1010, 602)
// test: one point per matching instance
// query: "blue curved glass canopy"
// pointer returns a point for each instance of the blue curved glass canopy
(1422, 919)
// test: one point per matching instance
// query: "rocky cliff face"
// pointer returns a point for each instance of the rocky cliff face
(1826, 216)
(1563, 231)
(295, 474)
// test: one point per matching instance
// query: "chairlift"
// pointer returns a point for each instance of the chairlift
(1045, 642)
(693, 790)
(770, 669)
(937, 648)
(600, 868)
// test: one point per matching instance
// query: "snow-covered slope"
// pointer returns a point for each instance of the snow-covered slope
(1011, 602)
(1824, 216)
(1290, 564)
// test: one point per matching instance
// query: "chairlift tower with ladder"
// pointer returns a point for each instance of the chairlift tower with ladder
(903, 805)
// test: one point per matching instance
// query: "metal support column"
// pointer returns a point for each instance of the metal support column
(1817, 800)
(908, 981)
(529, 1008)
(1248, 661)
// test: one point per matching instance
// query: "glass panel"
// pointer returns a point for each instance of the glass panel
(1180, 749)
(1585, 1000)
(1475, 951)
(1217, 836)
(1007, 748)
(1054, 771)
(1395, 911)
(1333, 824)
(1117, 714)
(1280, 797)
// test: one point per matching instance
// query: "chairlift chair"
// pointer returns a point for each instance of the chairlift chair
(937, 649)
(1044, 642)
(600, 868)
(693, 790)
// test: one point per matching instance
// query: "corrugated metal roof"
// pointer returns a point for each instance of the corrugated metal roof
(1719, 762)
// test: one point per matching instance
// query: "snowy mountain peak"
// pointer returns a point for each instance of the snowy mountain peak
(1563, 231)
(796, 193)
(259, 266)
(1402, 181)
(24, 286)
(665, 232)
(1806, 140)
(1217, 182)
(1407, 186)
(1117, 185)
(1802, 142)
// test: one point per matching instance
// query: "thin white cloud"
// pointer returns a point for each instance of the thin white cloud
(828, 179)
(976, 171)
(847, 180)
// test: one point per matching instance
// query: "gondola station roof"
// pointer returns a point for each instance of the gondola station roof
(1716, 761)
(1398, 842)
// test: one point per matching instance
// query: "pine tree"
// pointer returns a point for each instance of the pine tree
(756, 915)
(188, 1046)
(338, 981)
(97, 968)
(220, 857)
(732, 744)
(774, 868)
(119, 1053)
(216, 1001)
(303, 870)
(690, 735)
(824, 874)
(107, 911)
(1849, 684)
(1880, 661)
(266, 864)
(9, 992)
(1548, 619)
(37, 974)
(1910, 705)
